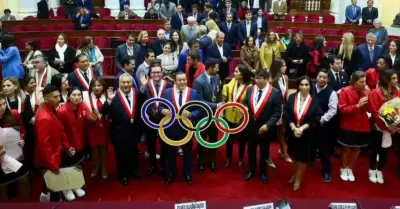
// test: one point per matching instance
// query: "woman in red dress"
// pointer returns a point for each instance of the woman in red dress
(98, 127)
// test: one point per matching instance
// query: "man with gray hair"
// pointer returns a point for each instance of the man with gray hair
(190, 31)
(369, 52)
(221, 51)
(42, 71)
(158, 44)
(204, 41)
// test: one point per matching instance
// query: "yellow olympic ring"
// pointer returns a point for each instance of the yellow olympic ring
(181, 142)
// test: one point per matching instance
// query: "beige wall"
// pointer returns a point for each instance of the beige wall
(388, 10)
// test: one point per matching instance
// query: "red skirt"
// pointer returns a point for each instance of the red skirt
(98, 132)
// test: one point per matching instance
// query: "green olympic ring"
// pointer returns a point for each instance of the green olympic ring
(211, 145)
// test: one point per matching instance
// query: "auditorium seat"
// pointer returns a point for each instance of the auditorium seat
(313, 18)
(108, 18)
(102, 42)
(47, 43)
(137, 18)
(61, 11)
(123, 38)
(288, 18)
(360, 33)
(98, 27)
(20, 43)
(51, 13)
(138, 27)
(35, 28)
(105, 12)
(233, 64)
(73, 42)
(152, 27)
(331, 32)
(311, 31)
(300, 18)
(108, 65)
(57, 18)
(329, 19)
(333, 44)
(30, 18)
(18, 28)
(269, 17)
(124, 27)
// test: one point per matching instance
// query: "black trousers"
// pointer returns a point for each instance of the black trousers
(212, 134)
(264, 141)
(151, 141)
(241, 137)
(324, 147)
(187, 159)
(126, 158)
(377, 149)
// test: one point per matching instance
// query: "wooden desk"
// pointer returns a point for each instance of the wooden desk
(121, 33)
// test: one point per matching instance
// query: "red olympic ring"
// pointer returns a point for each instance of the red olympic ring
(244, 123)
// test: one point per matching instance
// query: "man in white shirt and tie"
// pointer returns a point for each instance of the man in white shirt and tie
(247, 27)
(178, 19)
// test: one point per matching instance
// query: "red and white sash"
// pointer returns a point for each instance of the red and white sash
(257, 107)
(82, 79)
(185, 97)
(20, 105)
(237, 93)
(283, 88)
(129, 109)
(301, 112)
(93, 104)
(161, 90)
(41, 82)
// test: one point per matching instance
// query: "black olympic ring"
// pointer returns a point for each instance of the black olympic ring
(203, 106)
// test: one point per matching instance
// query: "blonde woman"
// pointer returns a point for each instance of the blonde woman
(349, 53)
(93, 52)
(142, 45)
(270, 49)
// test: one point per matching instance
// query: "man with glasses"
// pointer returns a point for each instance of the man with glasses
(42, 72)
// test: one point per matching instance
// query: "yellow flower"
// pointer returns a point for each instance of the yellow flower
(388, 110)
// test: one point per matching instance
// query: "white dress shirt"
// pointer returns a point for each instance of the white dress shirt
(221, 50)
(332, 105)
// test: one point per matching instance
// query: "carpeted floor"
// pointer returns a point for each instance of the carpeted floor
(228, 184)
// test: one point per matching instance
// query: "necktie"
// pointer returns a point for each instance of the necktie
(229, 27)
(127, 99)
(371, 54)
(190, 33)
(81, 19)
(260, 91)
(337, 78)
(180, 98)
(212, 83)
(354, 10)
(85, 76)
(157, 87)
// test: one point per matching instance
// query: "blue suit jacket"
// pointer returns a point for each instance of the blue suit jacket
(86, 19)
(232, 11)
(205, 42)
(232, 36)
(242, 30)
(183, 57)
(74, 81)
(351, 16)
(122, 131)
(213, 52)
(135, 81)
(88, 4)
(203, 86)
(175, 131)
(365, 61)
(176, 23)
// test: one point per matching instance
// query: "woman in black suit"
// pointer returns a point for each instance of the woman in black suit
(303, 113)
(394, 55)
(62, 56)
(298, 54)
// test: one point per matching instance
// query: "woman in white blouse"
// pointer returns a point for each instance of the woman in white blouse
(93, 52)
(32, 49)
(169, 61)
(153, 4)
(394, 55)
(177, 44)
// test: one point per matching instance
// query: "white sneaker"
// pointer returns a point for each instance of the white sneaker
(45, 197)
(350, 175)
(79, 192)
(69, 195)
(157, 156)
(343, 174)
(379, 177)
(372, 176)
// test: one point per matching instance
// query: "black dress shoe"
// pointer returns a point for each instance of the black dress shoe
(227, 164)
(201, 168)
(249, 176)
(264, 178)
(189, 179)
(123, 181)
(136, 174)
(327, 177)
(214, 167)
(150, 171)
(169, 179)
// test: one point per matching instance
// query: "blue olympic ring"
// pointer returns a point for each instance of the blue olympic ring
(150, 101)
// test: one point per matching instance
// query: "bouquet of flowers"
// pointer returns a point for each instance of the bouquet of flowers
(390, 113)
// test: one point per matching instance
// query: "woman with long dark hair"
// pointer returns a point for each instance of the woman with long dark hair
(61, 82)
(298, 54)
(93, 52)
(62, 56)
(387, 90)
(32, 47)
(279, 80)
(318, 55)
(303, 113)
(249, 54)
(177, 44)
(235, 91)
(10, 58)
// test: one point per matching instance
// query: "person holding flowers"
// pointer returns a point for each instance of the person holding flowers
(386, 91)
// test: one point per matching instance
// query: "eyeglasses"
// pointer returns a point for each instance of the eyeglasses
(156, 72)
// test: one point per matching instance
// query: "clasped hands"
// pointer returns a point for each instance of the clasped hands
(167, 113)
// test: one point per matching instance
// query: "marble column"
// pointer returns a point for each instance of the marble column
(338, 9)
(138, 7)
(113, 5)
(27, 8)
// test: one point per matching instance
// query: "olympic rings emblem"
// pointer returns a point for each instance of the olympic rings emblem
(202, 125)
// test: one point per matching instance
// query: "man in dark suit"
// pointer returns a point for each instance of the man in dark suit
(264, 104)
(208, 8)
(87, 4)
(221, 51)
(231, 30)
(83, 75)
(336, 76)
(82, 20)
(369, 52)
(129, 66)
(179, 95)
(155, 87)
(208, 85)
(151, 14)
(257, 4)
(43, 10)
(123, 107)
(178, 19)
(70, 7)
(205, 41)
(196, 14)
(228, 9)
(369, 13)
(127, 49)
(247, 27)
(158, 44)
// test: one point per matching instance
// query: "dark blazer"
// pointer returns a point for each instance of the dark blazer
(122, 51)
(69, 59)
(242, 30)
(122, 131)
(199, 17)
(43, 10)
(213, 52)
(205, 42)
(87, 4)
(232, 11)
(73, 80)
(264, 23)
(26, 109)
(365, 61)
(176, 23)
(261, 3)
(369, 15)
(85, 19)
(270, 112)
(136, 84)
(203, 86)
(344, 79)
(175, 131)
(232, 36)
(148, 16)
(152, 110)
(157, 46)
(396, 64)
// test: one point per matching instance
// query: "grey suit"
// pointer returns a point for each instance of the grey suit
(167, 13)
(131, 15)
(4, 18)
(122, 51)
(382, 37)
(185, 32)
